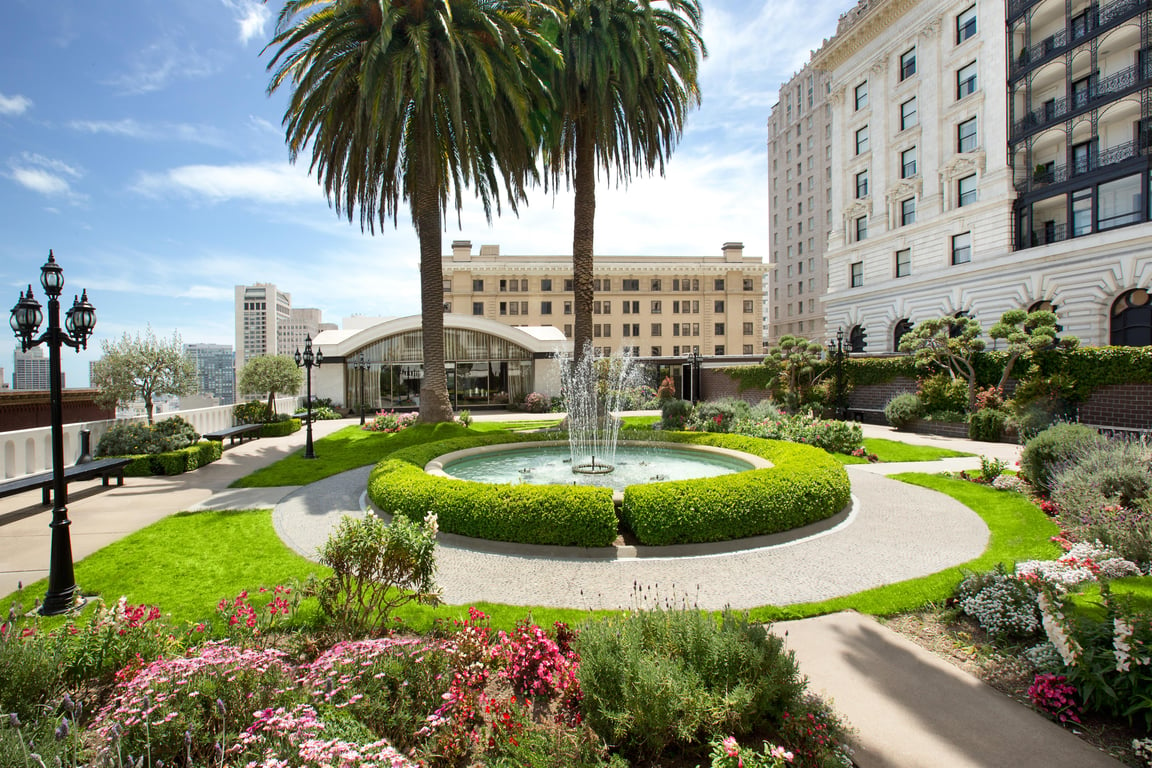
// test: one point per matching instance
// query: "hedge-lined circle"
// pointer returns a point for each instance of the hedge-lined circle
(803, 485)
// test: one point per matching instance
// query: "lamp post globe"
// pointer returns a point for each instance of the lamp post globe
(62, 595)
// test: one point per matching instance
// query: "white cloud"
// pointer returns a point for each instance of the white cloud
(251, 16)
(274, 183)
(45, 175)
(134, 129)
(14, 105)
(157, 65)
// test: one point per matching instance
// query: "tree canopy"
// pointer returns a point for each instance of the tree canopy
(271, 374)
(145, 367)
(950, 344)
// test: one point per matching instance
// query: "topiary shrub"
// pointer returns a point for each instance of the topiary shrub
(280, 428)
(902, 410)
(174, 462)
(133, 438)
(1049, 450)
(674, 414)
(987, 425)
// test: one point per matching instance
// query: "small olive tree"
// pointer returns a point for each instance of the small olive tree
(950, 344)
(271, 374)
(1027, 332)
(145, 367)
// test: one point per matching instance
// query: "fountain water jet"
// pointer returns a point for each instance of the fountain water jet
(594, 389)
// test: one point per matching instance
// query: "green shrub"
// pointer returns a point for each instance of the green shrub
(987, 425)
(1003, 606)
(131, 438)
(803, 485)
(1102, 472)
(942, 392)
(718, 415)
(319, 413)
(658, 678)
(174, 462)
(674, 414)
(376, 568)
(1051, 449)
(903, 409)
(251, 412)
(280, 428)
(179, 433)
(831, 435)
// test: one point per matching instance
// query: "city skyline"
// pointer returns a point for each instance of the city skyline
(144, 151)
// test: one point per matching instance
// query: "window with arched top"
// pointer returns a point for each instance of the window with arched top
(1042, 306)
(1131, 322)
(857, 339)
(901, 329)
(955, 332)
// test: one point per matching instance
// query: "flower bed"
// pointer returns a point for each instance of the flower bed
(804, 485)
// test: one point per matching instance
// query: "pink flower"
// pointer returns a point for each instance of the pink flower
(731, 748)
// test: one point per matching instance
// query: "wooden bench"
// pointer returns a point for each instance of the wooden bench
(243, 431)
(105, 469)
(861, 415)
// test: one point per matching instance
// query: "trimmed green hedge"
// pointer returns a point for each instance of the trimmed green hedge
(804, 485)
(174, 462)
(279, 428)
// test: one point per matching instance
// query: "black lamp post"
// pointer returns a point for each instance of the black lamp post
(836, 354)
(308, 361)
(79, 322)
(361, 365)
(694, 374)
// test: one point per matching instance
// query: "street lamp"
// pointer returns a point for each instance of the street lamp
(836, 354)
(361, 365)
(694, 374)
(308, 361)
(79, 322)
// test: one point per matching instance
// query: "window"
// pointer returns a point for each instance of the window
(478, 308)
(477, 286)
(749, 305)
(862, 140)
(966, 80)
(907, 211)
(908, 116)
(862, 95)
(749, 329)
(966, 191)
(503, 307)
(907, 64)
(1081, 212)
(1119, 202)
(719, 329)
(656, 307)
(695, 329)
(514, 307)
(862, 228)
(695, 284)
(602, 285)
(748, 283)
(656, 285)
(747, 349)
(908, 163)
(719, 349)
(857, 276)
(568, 330)
(862, 184)
(447, 286)
(657, 329)
(631, 285)
(567, 307)
(631, 330)
(966, 136)
(545, 307)
(718, 306)
(655, 351)
(962, 248)
(966, 24)
(718, 284)
(546, 284)
(904, 262)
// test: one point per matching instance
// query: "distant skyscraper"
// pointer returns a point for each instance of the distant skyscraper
(267, 324)
(216, 370)
(30, 369)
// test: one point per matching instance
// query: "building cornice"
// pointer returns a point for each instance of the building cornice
(871, 20)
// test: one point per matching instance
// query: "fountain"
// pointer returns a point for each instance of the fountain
(594, 389)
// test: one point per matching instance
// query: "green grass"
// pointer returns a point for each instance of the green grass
(515, 425)
(1135, 589)
(891, 451)
(1019, 531)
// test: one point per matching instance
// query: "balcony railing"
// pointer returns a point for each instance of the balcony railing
(1082, 28)
(1052, 233)
(1045, 175)
(1100, 91)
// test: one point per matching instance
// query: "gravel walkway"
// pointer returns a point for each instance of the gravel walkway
(893, 532)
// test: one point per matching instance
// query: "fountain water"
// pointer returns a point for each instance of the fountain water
(594, 389)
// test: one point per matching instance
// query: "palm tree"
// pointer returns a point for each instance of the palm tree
(411, 101)
(629, 78)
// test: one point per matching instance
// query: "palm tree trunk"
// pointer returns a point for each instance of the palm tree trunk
(584, 216)
(434, 403)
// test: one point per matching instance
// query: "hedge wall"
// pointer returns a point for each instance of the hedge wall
(279, 428)
(174, 462)
(804, 485)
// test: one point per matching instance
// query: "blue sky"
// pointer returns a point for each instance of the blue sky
(137, 142)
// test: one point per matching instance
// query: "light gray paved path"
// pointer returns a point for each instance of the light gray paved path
(894, 532)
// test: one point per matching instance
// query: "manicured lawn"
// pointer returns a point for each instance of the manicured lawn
(890, 451)
(1019, 531)
(515, 425)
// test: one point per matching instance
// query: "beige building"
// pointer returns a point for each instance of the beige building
(800, 173)
(653, 306)
(268, 324)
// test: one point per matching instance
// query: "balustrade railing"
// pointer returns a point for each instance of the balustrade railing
(1082, 28)
(1054, 110)
(1046, 175)
(28, 451)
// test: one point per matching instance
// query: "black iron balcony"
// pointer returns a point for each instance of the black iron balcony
(1099, 91)
(1082, 28)
(1049, 233)
(1047, 174)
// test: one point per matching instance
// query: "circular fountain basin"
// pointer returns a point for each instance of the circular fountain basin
(550, 463)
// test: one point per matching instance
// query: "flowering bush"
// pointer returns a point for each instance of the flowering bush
(390, 421)
(245, 618)
(1054, 695)
(1002, 605)
(1083, 562)
(829, 434)
(1009, 483)
(536, 402)
(727, 753)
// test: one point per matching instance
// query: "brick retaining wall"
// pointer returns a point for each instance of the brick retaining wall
(1128, 406)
